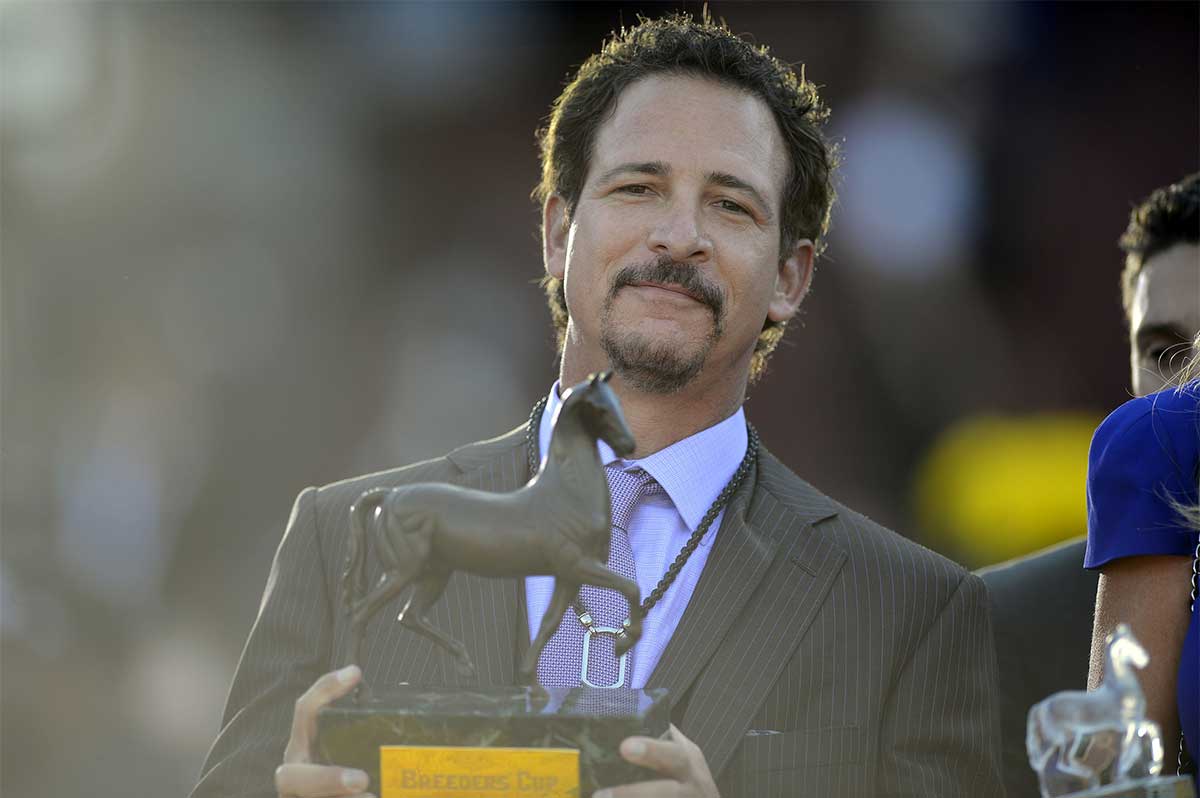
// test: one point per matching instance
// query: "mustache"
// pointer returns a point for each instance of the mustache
(665, 271)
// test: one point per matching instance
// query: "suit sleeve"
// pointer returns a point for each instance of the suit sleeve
(940, 734)
(288, 648)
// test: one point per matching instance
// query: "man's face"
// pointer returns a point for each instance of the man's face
(671, 260)
(1164, 317)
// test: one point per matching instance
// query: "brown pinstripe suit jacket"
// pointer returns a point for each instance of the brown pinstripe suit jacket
(820, 655)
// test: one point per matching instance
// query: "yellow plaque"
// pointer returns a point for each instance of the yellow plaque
(420, 771)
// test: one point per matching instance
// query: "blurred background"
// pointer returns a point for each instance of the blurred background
(248, 248)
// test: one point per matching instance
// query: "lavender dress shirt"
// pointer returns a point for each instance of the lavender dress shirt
(692, 472)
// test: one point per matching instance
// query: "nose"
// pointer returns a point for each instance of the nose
(679, 235)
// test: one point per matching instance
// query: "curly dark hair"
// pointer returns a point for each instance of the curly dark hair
(1169, 216)
(678, 44)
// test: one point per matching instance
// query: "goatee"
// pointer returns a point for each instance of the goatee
(652, 366)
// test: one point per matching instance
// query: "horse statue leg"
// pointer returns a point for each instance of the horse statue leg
(390, 585)
(593, 572)
(565, 592)
(1140, 751)
(1093, 754)
(354, 575)
(401, 564)
(407, 545)
(428, 590)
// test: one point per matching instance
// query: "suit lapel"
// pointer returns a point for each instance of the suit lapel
(763, 583)
(739, 558)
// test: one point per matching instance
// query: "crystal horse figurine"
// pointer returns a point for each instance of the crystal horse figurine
(557, 524)
(1080, 740)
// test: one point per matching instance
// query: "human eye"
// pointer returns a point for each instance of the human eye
(1165, 354)
(733, 207)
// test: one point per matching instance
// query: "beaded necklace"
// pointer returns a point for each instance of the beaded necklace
(585, 618)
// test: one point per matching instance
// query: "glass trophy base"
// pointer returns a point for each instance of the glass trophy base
(381, 737)
(1157, 787)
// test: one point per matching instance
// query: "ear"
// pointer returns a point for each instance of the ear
(554, 235)
(793, 280)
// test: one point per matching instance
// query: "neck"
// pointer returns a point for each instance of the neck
(659, 420)
(569, 436)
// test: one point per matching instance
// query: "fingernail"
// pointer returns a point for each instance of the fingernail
(635, 748)
(354, 780)
(347, 674)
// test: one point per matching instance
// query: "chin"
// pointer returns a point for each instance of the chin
(653, 365)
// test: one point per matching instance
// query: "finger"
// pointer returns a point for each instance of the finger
(318, 781)
(329, 687)
(667, 757)
(673, 733)
(643, 789)
(690, 749)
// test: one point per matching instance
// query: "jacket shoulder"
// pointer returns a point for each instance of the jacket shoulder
(868, 544)
(436, 469)
(334, 500)
(881, 545)
(1055, 570)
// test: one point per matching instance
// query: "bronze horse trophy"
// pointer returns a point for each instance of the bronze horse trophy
(558, 524)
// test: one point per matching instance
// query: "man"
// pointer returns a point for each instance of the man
(808, 651)
(1161, 283)
(1042, 604)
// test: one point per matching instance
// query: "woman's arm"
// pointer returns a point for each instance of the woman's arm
(1151, 594)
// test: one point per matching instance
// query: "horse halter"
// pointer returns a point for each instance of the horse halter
(739, 476)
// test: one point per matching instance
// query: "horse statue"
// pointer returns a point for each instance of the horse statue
(558, 524)
(1078, 740)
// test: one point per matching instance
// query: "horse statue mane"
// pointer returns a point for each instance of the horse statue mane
(558, 524)
(1078, 740)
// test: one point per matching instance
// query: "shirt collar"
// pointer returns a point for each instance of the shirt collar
(692, 471)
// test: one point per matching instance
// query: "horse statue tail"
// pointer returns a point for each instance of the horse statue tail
(354, 577)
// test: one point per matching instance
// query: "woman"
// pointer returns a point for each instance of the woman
(1143, 524)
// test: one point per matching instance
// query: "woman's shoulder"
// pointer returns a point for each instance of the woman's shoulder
(1142, 465)
(1143, 424)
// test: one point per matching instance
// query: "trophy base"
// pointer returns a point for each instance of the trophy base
(1157, 787)
(588, 720)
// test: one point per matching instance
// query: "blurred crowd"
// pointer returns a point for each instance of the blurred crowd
(247, 248)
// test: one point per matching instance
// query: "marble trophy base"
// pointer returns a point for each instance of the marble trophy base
(594, 721)
(1157, 787)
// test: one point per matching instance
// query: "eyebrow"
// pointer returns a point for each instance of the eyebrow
(655, 168)
(730, 181)
(660, 169)
(1148, 333)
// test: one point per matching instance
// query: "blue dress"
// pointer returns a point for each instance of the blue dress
(1146, 451)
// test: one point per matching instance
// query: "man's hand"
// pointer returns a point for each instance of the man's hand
(677, 758)
(297, 777)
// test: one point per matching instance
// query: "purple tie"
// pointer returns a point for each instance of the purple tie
(561, 662)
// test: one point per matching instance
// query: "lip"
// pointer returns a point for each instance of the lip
(671, 287)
